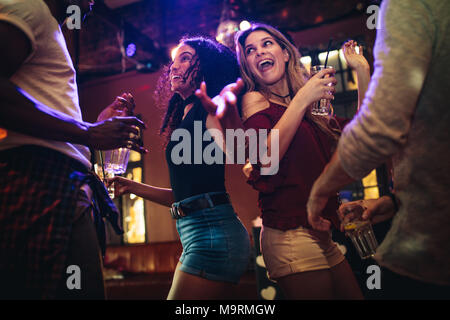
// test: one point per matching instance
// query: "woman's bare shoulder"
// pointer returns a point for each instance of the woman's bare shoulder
(253, 102)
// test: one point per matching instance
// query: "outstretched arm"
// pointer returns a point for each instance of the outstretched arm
(162, 196)
(21, 113)
(357, 62)
(222, 109)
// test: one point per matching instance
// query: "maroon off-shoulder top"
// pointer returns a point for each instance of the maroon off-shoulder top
(283, 196)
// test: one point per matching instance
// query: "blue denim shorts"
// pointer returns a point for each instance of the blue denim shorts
(216, 245)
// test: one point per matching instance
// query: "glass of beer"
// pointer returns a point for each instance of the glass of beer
(112, 162)
(104, 176)
(360, 231)
(323, 106)
(115, 163)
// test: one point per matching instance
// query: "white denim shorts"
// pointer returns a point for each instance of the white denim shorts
(297, 250)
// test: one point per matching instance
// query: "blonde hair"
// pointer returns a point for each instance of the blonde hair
(296, 73)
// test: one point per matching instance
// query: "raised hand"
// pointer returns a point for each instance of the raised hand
(223, 107)
(354, 59)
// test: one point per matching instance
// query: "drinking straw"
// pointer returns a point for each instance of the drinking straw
(328, 51)
(102, 164)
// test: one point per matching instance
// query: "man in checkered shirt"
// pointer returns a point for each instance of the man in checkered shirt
(46, 188)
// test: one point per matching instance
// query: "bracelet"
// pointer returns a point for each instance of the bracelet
(394, 200)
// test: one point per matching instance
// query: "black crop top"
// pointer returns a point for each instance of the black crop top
(189, 174)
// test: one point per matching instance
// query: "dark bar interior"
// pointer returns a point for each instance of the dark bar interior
(114, 184)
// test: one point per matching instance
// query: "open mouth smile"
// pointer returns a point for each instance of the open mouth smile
(176, 77)
(265, 64)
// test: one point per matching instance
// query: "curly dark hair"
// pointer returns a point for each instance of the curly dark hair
(213, 63)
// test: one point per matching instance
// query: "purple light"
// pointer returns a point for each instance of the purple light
(131, 50)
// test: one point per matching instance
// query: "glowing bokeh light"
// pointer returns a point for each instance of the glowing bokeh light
(131, 50)
(173, 53)
(244, 25)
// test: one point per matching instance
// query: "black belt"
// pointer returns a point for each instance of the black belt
(204, 201)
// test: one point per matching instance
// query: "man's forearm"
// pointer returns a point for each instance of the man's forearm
(332, 178)
(19, 113)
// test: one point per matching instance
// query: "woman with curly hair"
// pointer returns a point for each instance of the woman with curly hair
(216, 247)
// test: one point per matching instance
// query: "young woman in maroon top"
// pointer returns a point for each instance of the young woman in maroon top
(306, 263)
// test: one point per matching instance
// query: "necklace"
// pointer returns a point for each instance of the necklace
(282, 97)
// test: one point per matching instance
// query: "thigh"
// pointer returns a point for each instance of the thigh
(216, 245)
(83, 257)
(345, 285)
(187, 286)
(315, 285)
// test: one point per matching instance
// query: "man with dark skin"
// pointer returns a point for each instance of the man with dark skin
(49, 199)
(36, 119)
